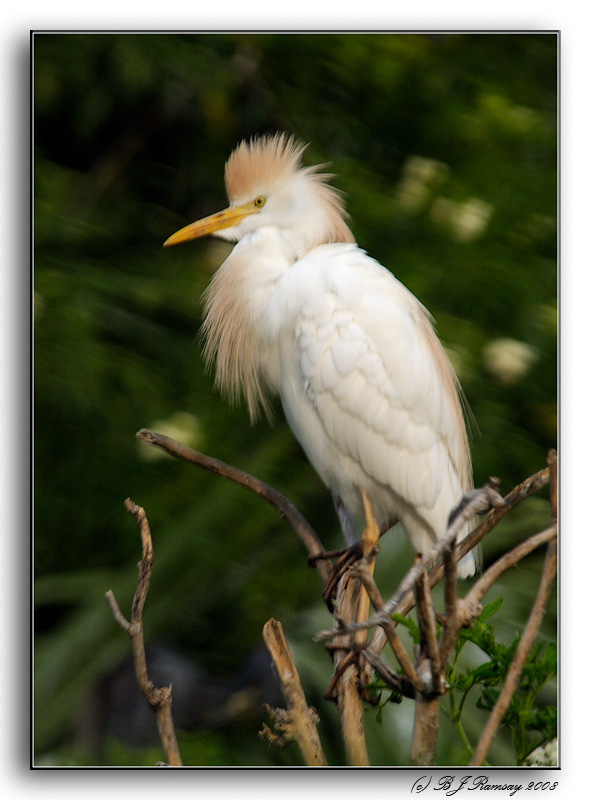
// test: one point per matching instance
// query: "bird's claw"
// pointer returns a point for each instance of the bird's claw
(345, 557)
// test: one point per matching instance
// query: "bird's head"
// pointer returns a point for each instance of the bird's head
(267, 186)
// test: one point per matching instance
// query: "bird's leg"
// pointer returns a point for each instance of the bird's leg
(345, 556)
(346, 519)
(369, 548)
(350, 679)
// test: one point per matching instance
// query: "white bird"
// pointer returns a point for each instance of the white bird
(298, 309)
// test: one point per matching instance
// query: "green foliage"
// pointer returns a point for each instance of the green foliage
(446, 148)
(528, 721)
(410, 625)
(523, 717)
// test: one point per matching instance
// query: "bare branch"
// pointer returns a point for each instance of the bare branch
(356, 589)
(426, 619)
(299, 721)
(507, 561)
(160, 700)
(425, 731)
(478, 501)
(451, 622)
(286, 509)
(470, 607)
(353, 605)
(347, 683)
(117, 613)
(145, 565)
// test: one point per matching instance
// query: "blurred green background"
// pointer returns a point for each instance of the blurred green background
(446, 147)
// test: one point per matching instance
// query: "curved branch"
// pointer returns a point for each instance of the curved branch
(286, 508)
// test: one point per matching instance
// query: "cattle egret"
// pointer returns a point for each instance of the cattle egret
(298, 309)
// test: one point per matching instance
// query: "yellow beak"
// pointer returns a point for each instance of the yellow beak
(216, 222)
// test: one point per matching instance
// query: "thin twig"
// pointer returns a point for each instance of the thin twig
(469, 607)
(426, 718)
(160, 700)
(369, 548)
(117, 613)
(479, 501)
(523, 648)
(286, 509)
(346, 659)
(145, 565)
(426, 619)
(507, 561)
(298, 723)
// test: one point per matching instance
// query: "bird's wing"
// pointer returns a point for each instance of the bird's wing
(366, 381)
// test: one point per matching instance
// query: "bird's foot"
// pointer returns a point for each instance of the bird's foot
(344, 558)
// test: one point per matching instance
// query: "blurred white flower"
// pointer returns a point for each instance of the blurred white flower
(508, 360)
(465, 221)
(419, 177)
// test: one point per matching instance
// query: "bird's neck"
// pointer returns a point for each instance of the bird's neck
(236, 302)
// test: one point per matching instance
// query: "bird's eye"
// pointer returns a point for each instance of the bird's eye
(260, 201)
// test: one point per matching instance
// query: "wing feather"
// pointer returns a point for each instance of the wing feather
(369, 390)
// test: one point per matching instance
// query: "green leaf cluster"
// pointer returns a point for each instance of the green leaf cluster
(529, 722)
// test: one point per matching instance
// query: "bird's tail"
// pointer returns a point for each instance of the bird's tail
(467, 566)
(422, 540)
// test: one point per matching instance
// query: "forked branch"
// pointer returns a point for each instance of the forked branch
(160, 700)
